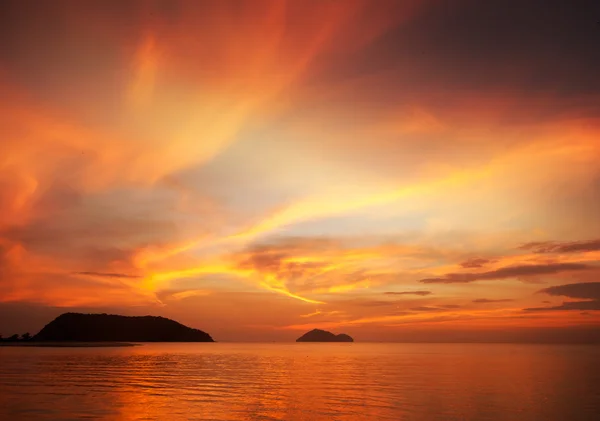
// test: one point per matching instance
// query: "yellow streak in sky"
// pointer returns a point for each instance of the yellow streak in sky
(268, 281)
(321, 313)
(146, 256)
(327, 206)
(284, 291)
(316, 313)
(321, 207)
(191, 293)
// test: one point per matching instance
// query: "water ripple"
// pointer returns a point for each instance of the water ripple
(301, 381)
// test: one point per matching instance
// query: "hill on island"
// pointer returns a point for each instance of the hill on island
(318, 335)
(110, 327)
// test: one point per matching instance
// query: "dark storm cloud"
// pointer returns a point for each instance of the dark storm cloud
(421, 293)
(562, 247)
(589, 291)
(488, 301)
(507, 272)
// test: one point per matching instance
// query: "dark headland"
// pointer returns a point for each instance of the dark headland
(318, 335)
(77, 327)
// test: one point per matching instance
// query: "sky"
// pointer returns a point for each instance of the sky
(419, 170)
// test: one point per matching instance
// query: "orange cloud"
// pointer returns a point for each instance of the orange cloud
(309, 150)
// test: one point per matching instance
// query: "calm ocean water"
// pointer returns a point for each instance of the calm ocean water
(223, 381)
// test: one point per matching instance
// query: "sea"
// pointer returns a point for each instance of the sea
(302, 381)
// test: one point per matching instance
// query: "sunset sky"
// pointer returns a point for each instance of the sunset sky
(396, 170)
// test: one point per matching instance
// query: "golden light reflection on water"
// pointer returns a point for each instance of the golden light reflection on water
(301, 382)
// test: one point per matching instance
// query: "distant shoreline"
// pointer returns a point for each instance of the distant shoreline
(68, 344)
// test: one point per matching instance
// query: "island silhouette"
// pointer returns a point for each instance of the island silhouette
(78, 327)
(318, 335)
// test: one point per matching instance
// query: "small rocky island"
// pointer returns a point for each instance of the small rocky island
(79, 327)
(318, 335)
